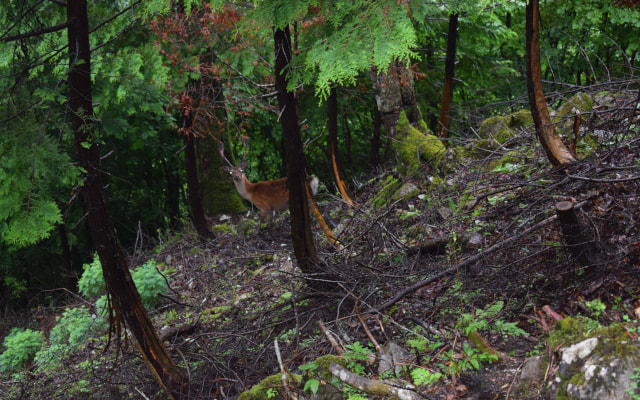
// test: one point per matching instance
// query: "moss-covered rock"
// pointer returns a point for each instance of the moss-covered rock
(565, 116)
(268, 389)
(599, 367)
(415, 146)
(406, 191)
(503, 128)
(498, 130)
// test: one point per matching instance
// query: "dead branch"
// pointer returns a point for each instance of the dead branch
(464, 263)
(336, 346)
(375, 387)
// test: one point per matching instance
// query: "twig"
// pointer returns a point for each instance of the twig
(506, 397)
(283, 372)
(366, 329)
(336, 346)
(604, 180)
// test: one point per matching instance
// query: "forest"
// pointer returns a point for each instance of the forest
(319, 199)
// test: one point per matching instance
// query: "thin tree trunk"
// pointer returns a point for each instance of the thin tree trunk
(332, 109)
(124, 297)
(303, 243)
(374, 156)
(72, 280)
(447, 88)
(557, 152)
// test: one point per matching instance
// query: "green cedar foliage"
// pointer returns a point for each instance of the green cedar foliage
(358, 35)
(33, 174)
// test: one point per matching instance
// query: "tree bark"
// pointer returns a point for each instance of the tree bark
(449, 67)
(374, 156)
(193, 188)
(303, 243)
(572, 231)
(395, 91)
(556, 151)
(332, 106)
(216, 190)
(124, 298)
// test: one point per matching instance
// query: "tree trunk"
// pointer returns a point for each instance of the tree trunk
(447, 88)
(193, 187)
(374, 156)
(216, 191)
(173, 192)
(332, 105)
(557, 152)
(124, 298)
(395, 91)
(303, 243)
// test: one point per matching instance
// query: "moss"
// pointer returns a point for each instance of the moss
(500, 129)
(324, 362)
(520, 119)
(414, 147)
(269, 388)
(222, 228)
(389, 187)
(564, 118)
(406, 191)
(219, 197)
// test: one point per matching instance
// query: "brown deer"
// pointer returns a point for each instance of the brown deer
(268, 196)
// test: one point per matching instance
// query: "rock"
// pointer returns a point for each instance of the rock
(531, 374)
(602, 368)
(394, 358)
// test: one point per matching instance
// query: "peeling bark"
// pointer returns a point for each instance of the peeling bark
(125, 301)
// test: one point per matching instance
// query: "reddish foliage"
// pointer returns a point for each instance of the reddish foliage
(197, 45)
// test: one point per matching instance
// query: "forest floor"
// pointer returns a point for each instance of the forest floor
(483, 249)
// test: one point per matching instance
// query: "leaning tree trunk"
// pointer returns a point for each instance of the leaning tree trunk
(449, 66)
(124, 298)
(557, 152)
(303, 243)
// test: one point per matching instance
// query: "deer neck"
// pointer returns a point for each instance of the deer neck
(244, 188)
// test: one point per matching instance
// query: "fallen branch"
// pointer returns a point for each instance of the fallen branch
(466, 262)
(334, 343)
(372, 386)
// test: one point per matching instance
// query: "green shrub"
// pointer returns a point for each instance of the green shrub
(73, 329)
(20, 347)
(147, 279)
(149, 282)
(91, 284)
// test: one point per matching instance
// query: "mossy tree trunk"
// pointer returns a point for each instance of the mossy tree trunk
(555, 149)
(303, 243)
(217, 191)
(395, 92)
(124, 298)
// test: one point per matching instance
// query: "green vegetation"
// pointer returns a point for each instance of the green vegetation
(20, 346)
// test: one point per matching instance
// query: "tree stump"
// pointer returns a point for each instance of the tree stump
(572, 231)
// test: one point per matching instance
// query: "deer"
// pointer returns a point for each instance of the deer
(268, 196)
